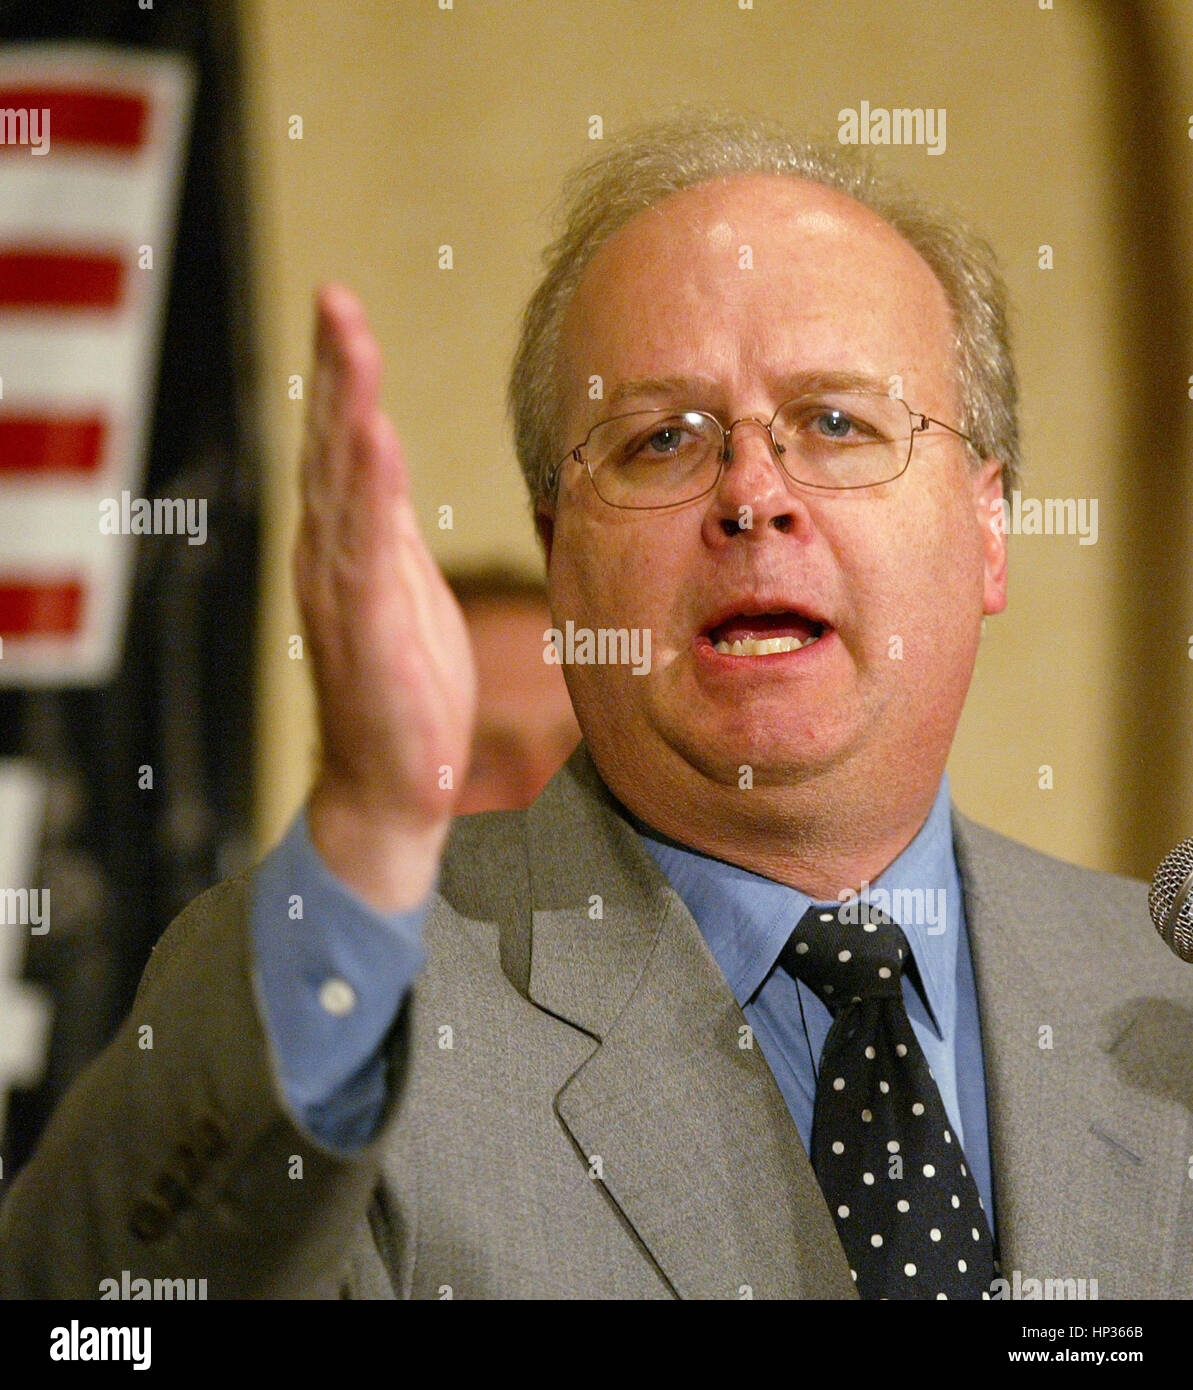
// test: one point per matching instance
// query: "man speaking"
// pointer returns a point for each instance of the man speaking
(740, 1006)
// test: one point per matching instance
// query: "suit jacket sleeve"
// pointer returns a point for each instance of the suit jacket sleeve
(175, 1156)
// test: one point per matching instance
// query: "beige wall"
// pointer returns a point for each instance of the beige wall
(424, 126)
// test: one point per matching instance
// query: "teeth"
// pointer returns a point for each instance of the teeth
(763, 646)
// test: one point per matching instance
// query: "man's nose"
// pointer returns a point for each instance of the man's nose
(754, 492)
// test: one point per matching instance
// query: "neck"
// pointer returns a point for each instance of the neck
(825, 835)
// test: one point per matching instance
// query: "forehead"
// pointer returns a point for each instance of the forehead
(760, 272)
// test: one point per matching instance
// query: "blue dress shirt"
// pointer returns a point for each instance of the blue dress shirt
(331, 975)
(746, 920)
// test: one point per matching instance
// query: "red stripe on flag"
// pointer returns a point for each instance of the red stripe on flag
(79, 116)
(36, 444)
(50, 609)
(60, 280)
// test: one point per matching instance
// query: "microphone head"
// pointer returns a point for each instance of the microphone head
(1170, 900)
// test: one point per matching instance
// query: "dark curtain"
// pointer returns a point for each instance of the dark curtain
(120, 861)
(1150, 116)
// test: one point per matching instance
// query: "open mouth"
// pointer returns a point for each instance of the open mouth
(762, 634)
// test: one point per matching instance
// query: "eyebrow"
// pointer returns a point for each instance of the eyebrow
(692, 390)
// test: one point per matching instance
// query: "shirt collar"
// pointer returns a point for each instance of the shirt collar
(746, 919)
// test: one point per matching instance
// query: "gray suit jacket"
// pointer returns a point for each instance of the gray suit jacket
(595, 1128)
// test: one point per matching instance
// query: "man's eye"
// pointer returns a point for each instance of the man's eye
(825, 423)
(835, 424)
(662, 442)
(665, 441)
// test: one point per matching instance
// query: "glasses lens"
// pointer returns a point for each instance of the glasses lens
(654, 458)
(844, 438)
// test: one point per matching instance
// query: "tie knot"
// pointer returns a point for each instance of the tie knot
(846, 953)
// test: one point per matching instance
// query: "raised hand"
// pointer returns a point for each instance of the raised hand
(393, 667)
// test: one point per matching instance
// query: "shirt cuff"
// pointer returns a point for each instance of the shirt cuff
(331, 976)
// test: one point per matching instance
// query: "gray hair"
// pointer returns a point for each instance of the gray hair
(654, 161)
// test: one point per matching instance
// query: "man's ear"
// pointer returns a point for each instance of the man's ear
(988, 505)
(544, 524)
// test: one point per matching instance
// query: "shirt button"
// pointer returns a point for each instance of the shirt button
(337, 997)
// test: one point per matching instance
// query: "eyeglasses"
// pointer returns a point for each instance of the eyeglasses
(835, 440)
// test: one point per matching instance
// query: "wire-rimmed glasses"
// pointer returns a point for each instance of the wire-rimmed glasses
(831, 440)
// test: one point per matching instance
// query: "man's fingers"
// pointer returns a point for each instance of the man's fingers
(377, 490)
(351, 546)
(344, 390)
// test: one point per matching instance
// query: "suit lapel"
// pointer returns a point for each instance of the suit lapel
(1088, 1170)
(682, 1124)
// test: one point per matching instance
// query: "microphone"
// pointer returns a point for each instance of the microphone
(1170, 900)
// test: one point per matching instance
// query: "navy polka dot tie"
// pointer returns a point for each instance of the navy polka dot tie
(893, 1173)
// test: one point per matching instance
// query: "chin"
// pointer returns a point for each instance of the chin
(774, 756)
(767, 724)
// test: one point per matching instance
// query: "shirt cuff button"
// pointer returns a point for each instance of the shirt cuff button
(337, 997)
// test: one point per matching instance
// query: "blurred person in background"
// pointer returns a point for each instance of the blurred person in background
(525, 726)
